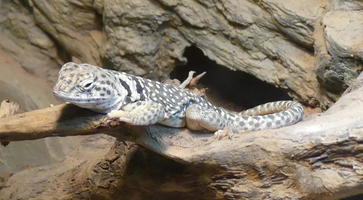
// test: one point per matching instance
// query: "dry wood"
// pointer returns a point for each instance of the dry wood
(320, 157)
(98, 178)
(8, 108)
(61, 120)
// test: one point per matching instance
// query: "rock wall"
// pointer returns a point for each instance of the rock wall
(29, 62)
(312, 48)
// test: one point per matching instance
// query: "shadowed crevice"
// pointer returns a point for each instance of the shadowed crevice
(234, 90)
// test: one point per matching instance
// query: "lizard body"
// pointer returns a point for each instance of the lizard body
(141, 101)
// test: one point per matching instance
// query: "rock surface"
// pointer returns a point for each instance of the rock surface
(276, 41)
(32, 93)
(344, 46)
(29, 61)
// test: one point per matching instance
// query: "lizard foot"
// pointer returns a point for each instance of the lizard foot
(224, 133)
(120, 115)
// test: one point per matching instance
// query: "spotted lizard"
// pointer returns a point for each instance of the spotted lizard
(139, 101)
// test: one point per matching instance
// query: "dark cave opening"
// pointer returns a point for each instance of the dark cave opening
(237, 90)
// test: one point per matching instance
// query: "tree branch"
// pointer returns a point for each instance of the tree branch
(61, 120)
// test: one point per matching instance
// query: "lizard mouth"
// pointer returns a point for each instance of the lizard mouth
(67, 98)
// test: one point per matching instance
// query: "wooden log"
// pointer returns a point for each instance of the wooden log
(61, 120)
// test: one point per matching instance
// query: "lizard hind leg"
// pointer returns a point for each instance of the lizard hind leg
(218, 122)
(198, 118)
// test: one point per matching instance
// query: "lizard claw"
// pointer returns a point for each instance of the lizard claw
(116, 114)
(120, 115)
(223, 133)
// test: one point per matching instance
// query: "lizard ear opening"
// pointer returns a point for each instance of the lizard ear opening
(235, 90)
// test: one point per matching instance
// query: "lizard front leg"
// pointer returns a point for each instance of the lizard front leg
(141, 113)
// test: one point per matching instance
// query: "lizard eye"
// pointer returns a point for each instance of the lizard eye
(87, 85)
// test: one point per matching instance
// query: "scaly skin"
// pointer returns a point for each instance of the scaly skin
(140, 101)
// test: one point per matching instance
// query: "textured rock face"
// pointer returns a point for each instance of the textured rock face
(344, 46)
(238, 35)
(312, 48)
(23, 37)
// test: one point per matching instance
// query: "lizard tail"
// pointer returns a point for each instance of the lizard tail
(270, 115)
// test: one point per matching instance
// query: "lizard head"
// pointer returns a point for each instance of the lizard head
(87, 86)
